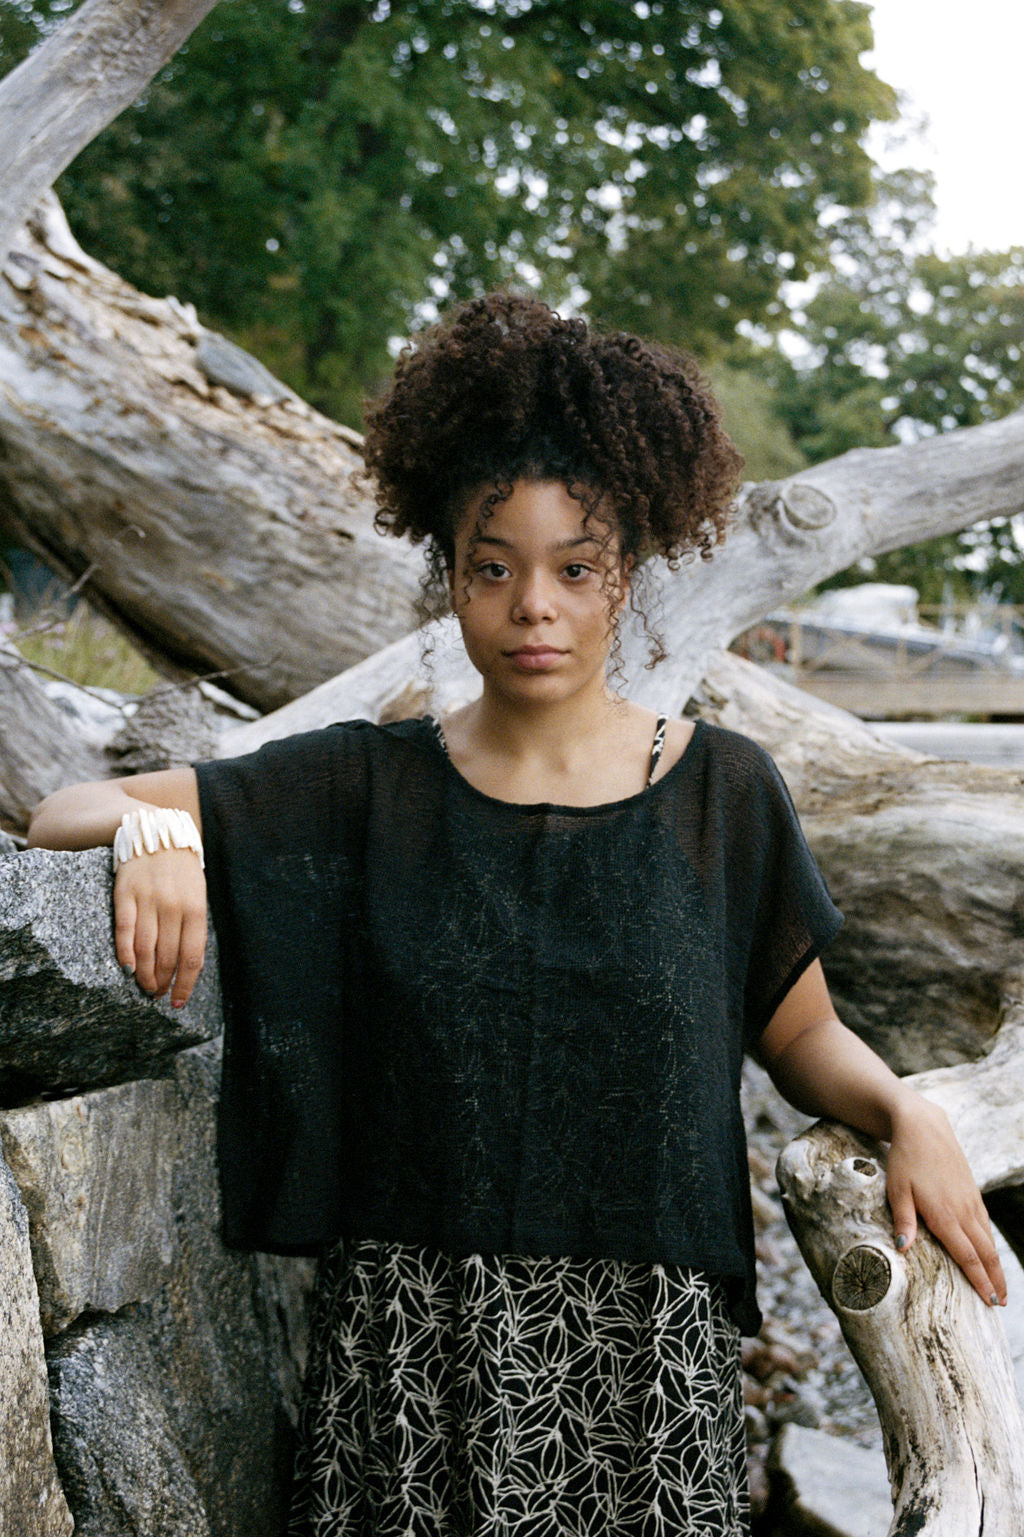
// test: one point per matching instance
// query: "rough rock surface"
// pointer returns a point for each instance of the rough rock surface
(31, 1501)
(95, 1174)
(175, 1415)
(175, 1364)
(825, 1487)
(69, 1019)
(123, 1469)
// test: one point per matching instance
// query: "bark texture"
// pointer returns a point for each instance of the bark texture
(934, 1356)
(224, 528)
(76, 82)
(40, 747)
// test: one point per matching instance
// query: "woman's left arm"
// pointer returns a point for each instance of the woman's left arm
(825, 1070)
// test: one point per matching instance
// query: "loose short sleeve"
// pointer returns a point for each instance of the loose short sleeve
(279, 827)
(783, 915)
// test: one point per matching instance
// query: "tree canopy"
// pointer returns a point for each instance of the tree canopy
(313, 175)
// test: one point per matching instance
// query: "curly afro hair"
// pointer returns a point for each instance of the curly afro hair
(504, 389)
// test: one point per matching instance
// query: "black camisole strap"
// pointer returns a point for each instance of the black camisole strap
(439, 734)
(657, 746)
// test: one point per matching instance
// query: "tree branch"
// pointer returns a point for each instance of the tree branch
(76, 82)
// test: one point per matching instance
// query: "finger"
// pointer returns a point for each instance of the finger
(145, 947)
(988, 1254)
(125, 912)
(976, 1271)
(904, 1214)
(190, 957)
(168, 945)
(968, 1254)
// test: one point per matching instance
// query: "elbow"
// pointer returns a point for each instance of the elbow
(35, 836)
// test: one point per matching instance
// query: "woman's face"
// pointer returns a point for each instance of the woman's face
(535, 587)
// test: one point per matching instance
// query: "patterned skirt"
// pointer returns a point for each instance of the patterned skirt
(512, 1397)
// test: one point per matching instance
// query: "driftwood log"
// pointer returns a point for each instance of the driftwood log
(934, 1356)
(220, 522)
(927, 860)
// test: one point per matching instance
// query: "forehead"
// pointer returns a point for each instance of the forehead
(537, 512)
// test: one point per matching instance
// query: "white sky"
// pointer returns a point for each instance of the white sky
(960, 65)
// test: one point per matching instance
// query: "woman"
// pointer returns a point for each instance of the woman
(488, 983)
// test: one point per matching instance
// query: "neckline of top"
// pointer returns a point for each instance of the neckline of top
(684, 759)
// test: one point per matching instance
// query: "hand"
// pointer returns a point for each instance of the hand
(928, 1175)
(160, 921)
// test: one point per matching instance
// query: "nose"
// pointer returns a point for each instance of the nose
(533, 599)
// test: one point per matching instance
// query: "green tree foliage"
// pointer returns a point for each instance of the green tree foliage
(902, 343)
(752, 419)
(313, 175)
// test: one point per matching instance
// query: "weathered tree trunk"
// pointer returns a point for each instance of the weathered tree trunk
(225, 532)
(38, 751)
(74, 84)
(934, 1356)
(926, 858)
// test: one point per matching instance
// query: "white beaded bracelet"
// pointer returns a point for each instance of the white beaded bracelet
(154, 827)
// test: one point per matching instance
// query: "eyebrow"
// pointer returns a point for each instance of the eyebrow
(562, 544)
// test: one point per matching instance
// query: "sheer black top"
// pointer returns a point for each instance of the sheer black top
(493, 1027)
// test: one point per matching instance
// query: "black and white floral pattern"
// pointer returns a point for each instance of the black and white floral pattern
(518, 1397)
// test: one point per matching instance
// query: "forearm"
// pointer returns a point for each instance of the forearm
(86, 816)
(828, 1071)
(824, 1069)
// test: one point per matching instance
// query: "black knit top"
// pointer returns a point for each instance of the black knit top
(491, 1027)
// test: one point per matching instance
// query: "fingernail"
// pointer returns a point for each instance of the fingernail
(901, 1240)
(177, 1003)
(993, 1301)
(129, 971)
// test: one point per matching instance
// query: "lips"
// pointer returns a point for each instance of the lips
(534, 658)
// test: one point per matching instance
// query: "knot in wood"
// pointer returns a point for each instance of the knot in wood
(790, 509)
(861, 1278)
(805, 507)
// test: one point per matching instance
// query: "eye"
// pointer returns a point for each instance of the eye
(576, 571)
(491, 570)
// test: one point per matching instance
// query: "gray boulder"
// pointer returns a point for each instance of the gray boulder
(96, 1175)
(32, 1502)
(175, 1416)
(123, 1469)
(69, 1019)
(174, 1364)
(825, 1487)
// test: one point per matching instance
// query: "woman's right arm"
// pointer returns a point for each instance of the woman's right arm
(160, 898)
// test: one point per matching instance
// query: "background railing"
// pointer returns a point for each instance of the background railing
(956, 659)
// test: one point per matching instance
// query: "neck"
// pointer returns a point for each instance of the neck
(528, 729)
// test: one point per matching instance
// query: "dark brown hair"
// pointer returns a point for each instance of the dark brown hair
(504, 389)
